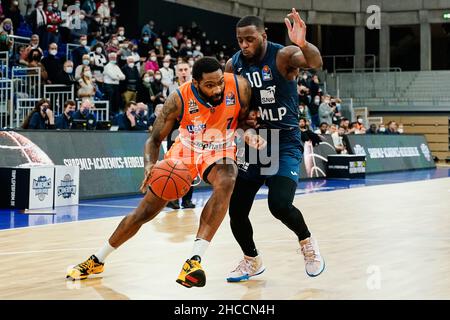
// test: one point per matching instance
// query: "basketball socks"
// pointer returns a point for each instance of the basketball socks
(104, 252)
(199, 248)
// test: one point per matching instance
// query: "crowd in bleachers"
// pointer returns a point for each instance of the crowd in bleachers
(104, 62)
(325, 114)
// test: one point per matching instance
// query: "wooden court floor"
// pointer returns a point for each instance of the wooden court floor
(380, 242)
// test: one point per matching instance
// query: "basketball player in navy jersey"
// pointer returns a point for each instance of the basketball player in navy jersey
(272, 70)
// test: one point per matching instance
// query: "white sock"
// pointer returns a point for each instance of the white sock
(200, 247)
(104, 252)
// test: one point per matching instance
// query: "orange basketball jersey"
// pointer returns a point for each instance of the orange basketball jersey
(205, 127)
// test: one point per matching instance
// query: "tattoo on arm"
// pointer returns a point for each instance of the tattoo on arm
(162, 127)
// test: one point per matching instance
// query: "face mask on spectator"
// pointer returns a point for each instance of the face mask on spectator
(82, 17)
(360, 121)
(153, 58)
(338, 105)
(105, 3)
(198, 48)
(16, 3)
(98, 20)
(158, 77)
(99, 50)
(316, 101)
(188, 45)
(169, 47)
(115, 42)
(53, 52)
(121, 33)
(400, 130)
(85, 112)
(305, 76)
(55, 5)
(83, 42)
(44, 110)
(69, 70)
(141, 113)
(106, 24)
(147, 79)
(166, 64)
(382, 129)
(70, 113)
(86, 62)
(77, 4)
(88, 74)
(7, 27)
(113, 5)
(49, 8)
(131, 65)
(157, 44)
(146, 39)
(191, 62)
(114, 23)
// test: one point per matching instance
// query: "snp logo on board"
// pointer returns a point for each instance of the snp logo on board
(41, 186)
(67, 188)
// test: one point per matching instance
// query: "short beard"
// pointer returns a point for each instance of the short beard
(210, 100)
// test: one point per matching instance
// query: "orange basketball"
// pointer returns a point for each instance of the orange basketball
(170, 179)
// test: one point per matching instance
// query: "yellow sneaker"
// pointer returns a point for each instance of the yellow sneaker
(86, 268)
(192, 274)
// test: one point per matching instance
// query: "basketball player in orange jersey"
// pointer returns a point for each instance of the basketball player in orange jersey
(213, 104)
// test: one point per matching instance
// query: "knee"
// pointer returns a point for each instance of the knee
(279, 209)
(226, 179)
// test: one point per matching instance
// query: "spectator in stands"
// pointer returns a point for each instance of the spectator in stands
(303, 111)
(159, 49)
(34, 44)
(35, 61)
(152, 62)
(145, 92)
(105, 31)
(314, 111)
(323, 129)
(344, 123)
(114, 27)
(149, 29)
(79, 52)
(89, 8)
(53, 64)
(152, 118)
(360, 128)
(313, 86)
(197, 51)
(121, 35)
(381, 129)
(84, 113)
(113, 11)
(158, 88)
(327, 110)
(113, 45)
(392, 128)
(145, 45)
(186, 49)
(38, 21)
(332, 129)
(13, 12)
(67, 77)
(87, 88)
(64, 120)
(125, 52)
(129, 119)
(98, 61)
(302, 125)
(6, 30)
(131, 82)
(167, 72)
(112, 75)
(171, 50)
(142, 115)
(372, 129)
(86, 61)
(83, 29)
(94, 29)
(54, 20)
(104, 9)
(338, 141)
(41, 117)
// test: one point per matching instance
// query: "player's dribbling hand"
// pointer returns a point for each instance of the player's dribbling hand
(255, 141)
(147, 174)
(252, 119)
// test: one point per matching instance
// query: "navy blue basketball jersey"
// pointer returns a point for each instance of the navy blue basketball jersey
(274, 96)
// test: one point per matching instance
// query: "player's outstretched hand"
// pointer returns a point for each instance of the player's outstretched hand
(297, 31)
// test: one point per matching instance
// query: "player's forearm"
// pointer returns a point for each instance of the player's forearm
(312, 55)
(151, 151)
